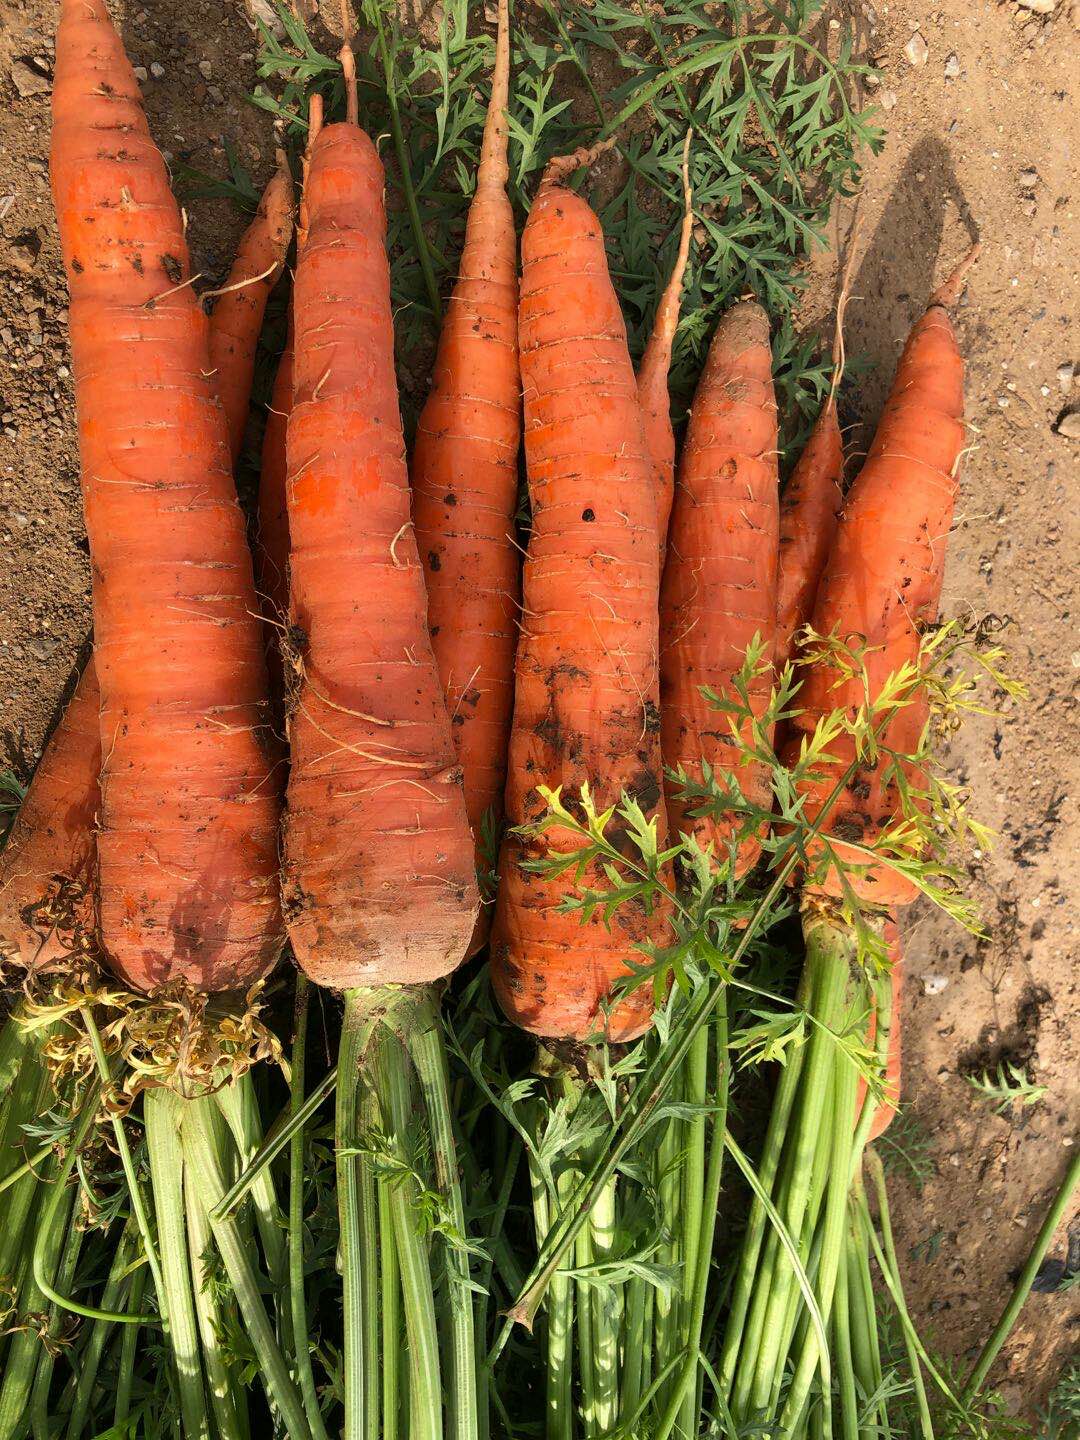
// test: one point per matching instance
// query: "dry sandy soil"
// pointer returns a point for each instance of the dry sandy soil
(982, 140)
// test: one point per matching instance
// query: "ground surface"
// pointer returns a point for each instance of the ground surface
(982, 139)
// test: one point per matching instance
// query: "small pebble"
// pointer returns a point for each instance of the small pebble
(28, 80)
(216, 97)
(1038, 7)
(916, 51)
(1065, 373)
(1069, 425)
(141, 74)
(952, 66)
(206, 70)
(157, 70)
(1029, 178)
(934, 984)
(888, 100)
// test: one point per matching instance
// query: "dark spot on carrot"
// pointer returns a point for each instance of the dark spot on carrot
(588, 514)
(450, 498)
(172, 268)
(433, 560)
(137, 264)
(77, 265)
(652, 718)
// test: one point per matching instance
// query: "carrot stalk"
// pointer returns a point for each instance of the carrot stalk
(237, 316)
(464, 477)
(585, 708)
(52, 838)
(719, 587)
(187, 849)
(652, 375)
(378, 875)
(881, 587)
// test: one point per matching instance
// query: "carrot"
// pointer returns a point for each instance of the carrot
(883, 1115)
(652, 376)
(719, 586)
(585, 705)
(882, 585)
(52, 838)
(237, 316)
(464, 476)
(379, 883)
(188, 840)
(271, 541)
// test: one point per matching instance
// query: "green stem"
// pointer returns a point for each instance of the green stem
(238, 1105)
(992, 1348)
(228, 1405)
(111, 1296)
(890, 1271)
(28, 1098)
(204, 1148)
(26, 1347)
(866, 1352)
(129, 1338)
(297, 1294)
(743, 1293)
(507, 1167)
(604, 1302)
(830, 940)
(425, 1045)
(420, 241)
(390, 1314)
(558, 1312)
(425, 1383)
(355, 1214)
(669, 1156)
(65, 1276)
(28, 1167)
(682, 1403)
(845, 1364)
(828, 965)
(138, 1203)
(279, 1136)
(164, 1116)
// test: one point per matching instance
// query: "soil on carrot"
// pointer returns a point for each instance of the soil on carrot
(979, 115)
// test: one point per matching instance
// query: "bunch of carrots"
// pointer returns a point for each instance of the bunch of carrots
(312, 743)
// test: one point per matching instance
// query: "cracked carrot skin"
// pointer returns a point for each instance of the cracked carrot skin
(464, 477)
(187, 847)
(585, 707)
(379, 882)
(809, 513)
(882, 586)
(52, 837)
(719, 586)
(237, 316)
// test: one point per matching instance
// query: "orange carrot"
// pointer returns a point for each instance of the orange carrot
(271, 542)
(719, 587)
(237, 316)
(189, 813)
(652, 377)
(52, 838)
(379, 881)
(464, 476)
(812, 498)
(882, 584)
(585, 706)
